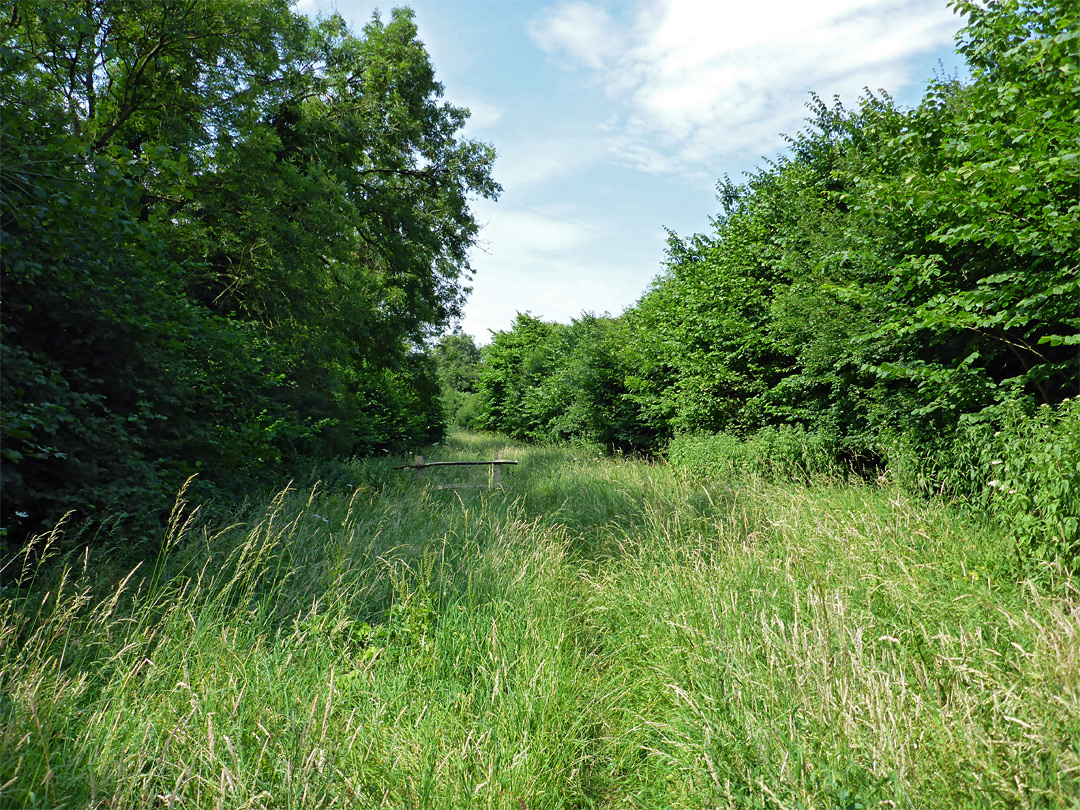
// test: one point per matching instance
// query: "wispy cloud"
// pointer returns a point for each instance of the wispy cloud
(311, 7)
(701, 80)
(554, 262)
(520, 234)
(585, 31)
(558, 289)
(527, 162)
(482, 114)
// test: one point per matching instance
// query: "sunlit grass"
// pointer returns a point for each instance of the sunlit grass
(599, 632)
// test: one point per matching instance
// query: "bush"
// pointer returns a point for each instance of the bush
(1017, 464)
(1031, 469)
(467, 413)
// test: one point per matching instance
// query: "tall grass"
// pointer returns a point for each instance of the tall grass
(775, 454)
(599, 633)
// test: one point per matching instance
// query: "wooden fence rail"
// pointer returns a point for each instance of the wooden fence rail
(496, 470)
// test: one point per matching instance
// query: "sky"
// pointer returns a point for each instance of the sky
(613, 121)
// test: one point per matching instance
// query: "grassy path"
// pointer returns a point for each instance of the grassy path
(602, 633)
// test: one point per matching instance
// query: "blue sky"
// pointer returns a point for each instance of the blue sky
(613, 121)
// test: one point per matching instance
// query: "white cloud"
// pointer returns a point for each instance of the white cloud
(587, 34)
(703, 80)
(310, 7)
(553, 263)
(557, 289)
(525, 163)
(483, 115)
(515, 235)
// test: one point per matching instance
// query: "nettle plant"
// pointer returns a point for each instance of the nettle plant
(1033, 488)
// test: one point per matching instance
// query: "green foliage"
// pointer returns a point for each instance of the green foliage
(227, 234)
(114, 384)
(1034, 491)
(1019, 464)
(584, 398)
(973, 196)
(457, 362)
(515, 365)
(553, 383)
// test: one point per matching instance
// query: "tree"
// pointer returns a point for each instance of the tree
(974, 197)
(457, 361)
(515, 365)
(227, 233)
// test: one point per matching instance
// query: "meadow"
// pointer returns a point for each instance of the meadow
(601, 632)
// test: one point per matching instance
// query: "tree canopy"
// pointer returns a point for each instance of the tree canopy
(899, 277)
(228, 232)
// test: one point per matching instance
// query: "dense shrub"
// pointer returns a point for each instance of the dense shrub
(1033, 483)
(1018, 465)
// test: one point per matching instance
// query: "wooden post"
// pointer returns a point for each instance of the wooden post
(419, 469)
(496, 471)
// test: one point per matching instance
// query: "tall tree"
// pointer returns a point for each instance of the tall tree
(227, 232)
(975, 197)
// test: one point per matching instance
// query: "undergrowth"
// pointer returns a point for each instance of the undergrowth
(598, 633)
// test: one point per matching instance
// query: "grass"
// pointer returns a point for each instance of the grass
(600, 633)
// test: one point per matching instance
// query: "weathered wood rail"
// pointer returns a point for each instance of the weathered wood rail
(495, 478)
